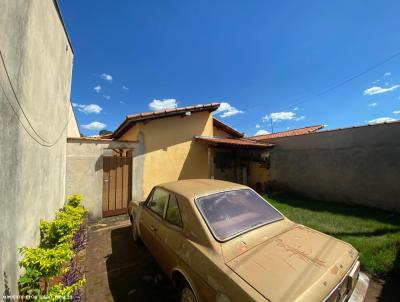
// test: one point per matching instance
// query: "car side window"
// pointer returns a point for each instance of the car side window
(173, 214)
(158, 201)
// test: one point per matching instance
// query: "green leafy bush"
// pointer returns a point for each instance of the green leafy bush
(47, 262)
(60, 292)
(60, 230)
(29, 283)
(74, 200)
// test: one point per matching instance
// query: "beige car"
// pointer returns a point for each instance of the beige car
(220, 241)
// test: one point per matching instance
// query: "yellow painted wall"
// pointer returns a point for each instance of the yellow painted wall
(170, 152)
(219, 132)
(256, 174)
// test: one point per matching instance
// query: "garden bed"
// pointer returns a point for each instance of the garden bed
(54, 271)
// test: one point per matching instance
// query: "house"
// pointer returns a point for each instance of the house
(155, 147)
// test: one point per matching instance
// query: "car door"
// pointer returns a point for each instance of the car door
(151, 217)
(169, 235)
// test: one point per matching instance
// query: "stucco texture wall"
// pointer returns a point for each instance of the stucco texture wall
(355, 165)
(170, 152)
(85, 171)
(32, 180)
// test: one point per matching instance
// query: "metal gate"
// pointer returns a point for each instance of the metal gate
(117, 183)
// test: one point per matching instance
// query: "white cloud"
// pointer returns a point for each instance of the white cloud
(107, 97)
(386, 74)
(280, 116)
(94, 126)
(107, 77)
(262, 132)
(155, 105)
(226, 110)
(300, 118)
(396, 112)
(88, 109)
(381, 120)
(377, 81)
(295, 108)
(124, 87)
(378, 90)
(122, 102)
(258, 126)
(373, 104)
(326, 125)
(97, 88)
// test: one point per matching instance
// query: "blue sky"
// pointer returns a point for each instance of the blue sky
(267, 61)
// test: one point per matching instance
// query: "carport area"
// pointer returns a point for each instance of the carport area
(119, 270)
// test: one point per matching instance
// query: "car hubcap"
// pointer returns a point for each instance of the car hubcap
(187, 295)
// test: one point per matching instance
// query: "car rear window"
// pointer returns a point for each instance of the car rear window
(233, 212)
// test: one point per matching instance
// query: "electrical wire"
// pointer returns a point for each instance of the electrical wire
(45, 143)
(322, 92)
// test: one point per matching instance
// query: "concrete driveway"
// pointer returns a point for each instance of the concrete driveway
(119, 270)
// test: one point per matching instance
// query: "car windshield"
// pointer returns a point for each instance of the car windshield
(233, 212)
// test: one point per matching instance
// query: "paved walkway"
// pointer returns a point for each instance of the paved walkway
(119, 270)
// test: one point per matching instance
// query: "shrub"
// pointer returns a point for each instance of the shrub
(74, 200)
(47, 262)
(60, 292)
(68, 221)
(29, 283)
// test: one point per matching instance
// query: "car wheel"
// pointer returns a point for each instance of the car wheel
(186, 293)
(134, 231)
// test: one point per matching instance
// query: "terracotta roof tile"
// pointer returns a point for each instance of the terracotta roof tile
(294, 132)
(131, 119)
(227, 128)
(232, 142)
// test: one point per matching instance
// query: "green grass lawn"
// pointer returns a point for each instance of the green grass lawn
(374, 233)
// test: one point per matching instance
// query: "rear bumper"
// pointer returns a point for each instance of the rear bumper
(360, 289)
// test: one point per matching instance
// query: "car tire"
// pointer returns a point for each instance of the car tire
(134, 232)
(186, 293)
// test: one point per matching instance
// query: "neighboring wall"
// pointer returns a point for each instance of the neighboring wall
(85, 170)
(356, 165)
(38, 57)
(170, 152)
(73, 129)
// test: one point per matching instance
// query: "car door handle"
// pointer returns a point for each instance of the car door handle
(152, 228)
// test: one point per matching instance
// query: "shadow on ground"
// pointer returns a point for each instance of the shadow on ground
(390, 289)
(133, 275)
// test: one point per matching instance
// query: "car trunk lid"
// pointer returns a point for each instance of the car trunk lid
(299, 264)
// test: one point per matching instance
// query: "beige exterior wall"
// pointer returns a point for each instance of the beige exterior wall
(39, 59)
(257, 174)
(169, 150)
(73, 129)
(85, 171)
(219, 132)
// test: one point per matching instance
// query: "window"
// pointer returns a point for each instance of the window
(173, 215)
(233, 212)
(158, 201)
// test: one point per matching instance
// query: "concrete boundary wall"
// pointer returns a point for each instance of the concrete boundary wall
(85, 170)
(38, 59)
(355, 165)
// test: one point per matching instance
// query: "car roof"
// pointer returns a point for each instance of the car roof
(192, 188)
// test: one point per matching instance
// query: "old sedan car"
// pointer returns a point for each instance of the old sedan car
(220, 241)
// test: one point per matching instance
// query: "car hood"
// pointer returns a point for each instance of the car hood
(299, 264)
